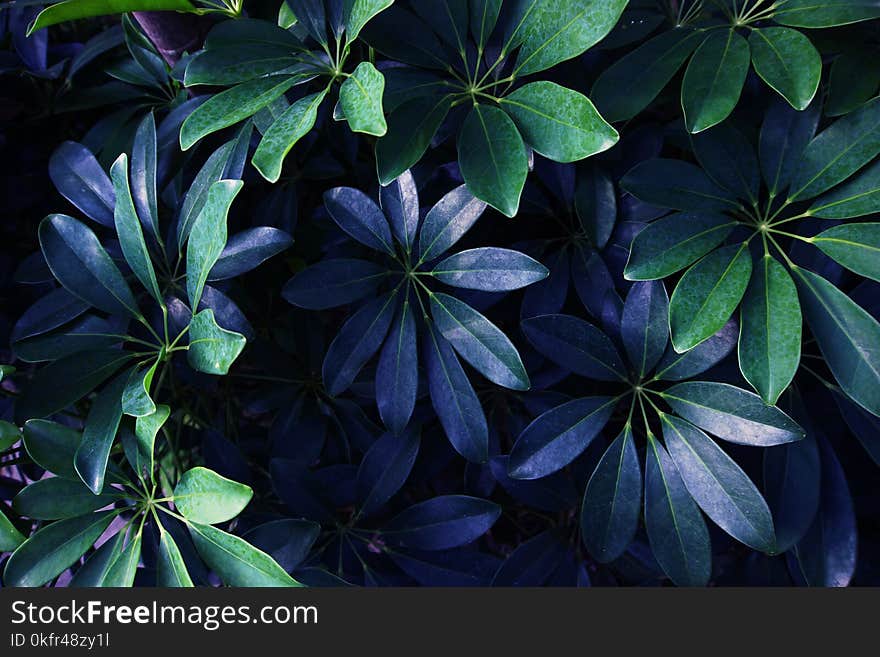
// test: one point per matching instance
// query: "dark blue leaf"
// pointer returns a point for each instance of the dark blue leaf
(247, 250)
(49, 312)
(553, 493)
(490, 269)
(441, 523)
(357, 341)
(644, 326)
(397, 374)
(678, 367)
(333, 283)
(287, 541)
(400, 202)
(447, 221)
(791, 488)
(79, 178)
(385, 469)
(357, 214)
(533, 562)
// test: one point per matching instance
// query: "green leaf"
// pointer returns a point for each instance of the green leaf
(128, 229)
(557, 122)
(94, 571)
(233, 105)
(632, 82)
(212, 348)
(233, 63)
(850, 84)
(361, 99)
(855, 246)
(492, 158)
(838, 152)
(136, 400)
(676, 530)
(205, 497)
(79, 262)
(60, 384)
(56, 497)
(284, 133)
(788, 62)
(564, 29)
(483, 17)
(479, 342)
(719, 486)
(855, 198)
(785, 134)
(610, 513)
(825, 13)
(122, 570)
(145, 430)
(410, 130)
(208, 237)
(707, 295)
(731, 413)
(53, 549)
(359, 12)
(52, 446)
(9, 435)
(10, 537)
(673, 242)
(770, 330)
(847, 336)
(678, 185)
(100, 429)
(714, 80)
(171, 570)
(71, 10)
(212, 171)
(143, 174)
(237, 562)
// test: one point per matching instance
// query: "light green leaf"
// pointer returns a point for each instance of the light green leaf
(770, 330)
(122, 570)
(838, 152)
(788, 62)
(847, 336)
(212, 349)
(71, 10)
(493, 159)
(707, 295)
(237, 562)
(136, 400)
(145, 430)
(206, 497)
(128, 228)
(208, 237)
(233, 105)
(855, 198)
(564, 29)
(283, 134)
(53, 549)
(360, 97)
(358, 13)
(10, 537)
(855, 246)
(714, 80)
(559, 123)
(171, 570)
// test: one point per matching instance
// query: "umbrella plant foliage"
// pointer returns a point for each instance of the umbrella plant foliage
(440, 292)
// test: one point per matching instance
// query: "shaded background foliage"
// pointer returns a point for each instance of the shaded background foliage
(337, 498)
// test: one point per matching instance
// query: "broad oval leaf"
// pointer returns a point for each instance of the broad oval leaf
(285, 131)
(247, 250)
(791, 487)
(357, 214)
(385, 468)
(855, 198)
(493, 158)
(79, 178)
(678, 185)
(785, 134)
(171, 569)
(644, 326)
(731, 413)
(847, 336)
(555, 438)
(205, 497)
(575, 345)
(55, 498)
(53, 549)
(707, 295)
(82, 266)
(400, 203)
(410, 130)
(612, 500)
(825, 13)
(719, 486)
(676, 529)
(236, 561)
(332, 283)
(714, 80)
(557, 122)
(360, 97)
(99, 433)
(52, 446)
(447, 221)
(787, 61)
(212, 348)
(478, 341)
(441, 523)
(770, 330)
(490, 269)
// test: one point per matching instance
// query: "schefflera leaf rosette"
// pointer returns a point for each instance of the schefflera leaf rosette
(96, 331)
(685, 470)
(405, 320)
(743, 215)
